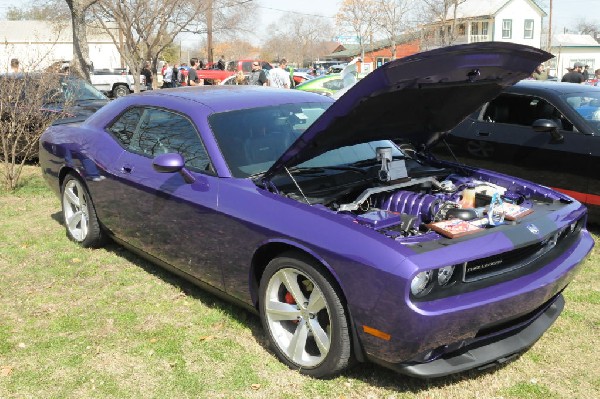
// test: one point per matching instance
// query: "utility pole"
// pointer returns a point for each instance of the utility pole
(550, 27)
(209, 31)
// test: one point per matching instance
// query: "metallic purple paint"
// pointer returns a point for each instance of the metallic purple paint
(222, 231)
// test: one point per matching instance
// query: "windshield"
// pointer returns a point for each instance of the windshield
(79, 90)
(251, 140)
(588, 106)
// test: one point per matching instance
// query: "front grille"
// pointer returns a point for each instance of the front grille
(501, 263)
(494, 265)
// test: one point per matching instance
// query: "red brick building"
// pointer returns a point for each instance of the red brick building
(376, 53)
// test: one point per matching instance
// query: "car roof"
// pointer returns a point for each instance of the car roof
(222, 98)
(550, 87)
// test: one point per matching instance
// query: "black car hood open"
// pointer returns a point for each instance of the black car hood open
(414, 99)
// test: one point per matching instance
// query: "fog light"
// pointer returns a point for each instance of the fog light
(572, 226)
(419, 283)
(445, 274)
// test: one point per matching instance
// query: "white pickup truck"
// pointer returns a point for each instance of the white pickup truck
(115, 82)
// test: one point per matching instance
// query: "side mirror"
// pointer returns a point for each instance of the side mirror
(548, 126)
(171, 163)
(168, 163)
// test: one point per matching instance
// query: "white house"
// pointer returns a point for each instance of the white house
(515, 21)
(569, 49)
(37, 44)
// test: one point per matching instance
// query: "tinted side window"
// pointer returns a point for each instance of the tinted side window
(124, 127)
(523, 110)
(159, 132)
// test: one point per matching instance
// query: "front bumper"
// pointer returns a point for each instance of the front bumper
(488, 352)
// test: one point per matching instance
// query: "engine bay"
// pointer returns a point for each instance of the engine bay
(411, 197)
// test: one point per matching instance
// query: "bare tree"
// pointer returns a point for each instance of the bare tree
(391, 17)
(142, 29)
(586, 27)
(309, 33)
(300, 40)
(278, 44)
(39, 10)
(81, 52)
(443, 13)
(23, 118)
(224, 20)
(358, 16)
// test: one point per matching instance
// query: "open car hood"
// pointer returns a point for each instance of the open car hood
(414, 99)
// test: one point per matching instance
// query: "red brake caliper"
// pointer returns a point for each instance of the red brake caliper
(290, 299)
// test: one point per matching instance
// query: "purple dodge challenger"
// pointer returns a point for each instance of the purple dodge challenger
(330, 219)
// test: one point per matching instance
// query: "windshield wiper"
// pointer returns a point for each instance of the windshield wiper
(323, 169)
(375, 161)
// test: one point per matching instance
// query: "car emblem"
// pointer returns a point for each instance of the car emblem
(533, 228)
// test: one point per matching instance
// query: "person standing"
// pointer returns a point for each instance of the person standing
(540, 73)
(14, 65)
(192, 78)
(175, 76)
(257, 75)
(596, 79)
(574, 75)
(586, 73)
(279, 77)
(221, 63)
(148, 75)
(167, 76)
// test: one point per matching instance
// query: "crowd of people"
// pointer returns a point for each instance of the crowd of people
(579, 74)
(183, 74)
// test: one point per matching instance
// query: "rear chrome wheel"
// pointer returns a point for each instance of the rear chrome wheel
(303, 315)
(480, 149)
(79, 214)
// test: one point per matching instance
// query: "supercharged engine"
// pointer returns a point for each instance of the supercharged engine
(408, 197)
(416, 206)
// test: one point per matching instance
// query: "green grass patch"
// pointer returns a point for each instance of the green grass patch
(529, 390)
(80, 323)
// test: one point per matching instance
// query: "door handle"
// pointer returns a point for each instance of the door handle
(126, 169)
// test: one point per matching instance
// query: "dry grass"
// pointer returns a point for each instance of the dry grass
(78, 323)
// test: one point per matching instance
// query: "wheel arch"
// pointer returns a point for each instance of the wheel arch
(273, 249)
(65, 171)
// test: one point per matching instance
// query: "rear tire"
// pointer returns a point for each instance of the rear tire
(79, 214)
(120, 91)
(304, 318)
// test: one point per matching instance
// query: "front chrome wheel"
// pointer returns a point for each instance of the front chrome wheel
(302, 313)
(298, 317)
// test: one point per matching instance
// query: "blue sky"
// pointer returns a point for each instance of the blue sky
(566, 12)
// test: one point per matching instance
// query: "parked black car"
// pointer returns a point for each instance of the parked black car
(546, 132)
(31, 101)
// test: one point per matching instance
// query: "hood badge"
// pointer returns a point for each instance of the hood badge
(533, 229)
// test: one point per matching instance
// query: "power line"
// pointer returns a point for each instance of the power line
(295, 12)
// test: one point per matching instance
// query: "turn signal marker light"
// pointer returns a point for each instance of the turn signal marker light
(376, 333)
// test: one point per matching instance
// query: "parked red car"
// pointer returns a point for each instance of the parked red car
(214, 74)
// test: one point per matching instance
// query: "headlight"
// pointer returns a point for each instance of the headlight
(445, 274)
(420, 282)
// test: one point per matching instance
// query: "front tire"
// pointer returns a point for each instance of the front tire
(79, 214)
(304, 318)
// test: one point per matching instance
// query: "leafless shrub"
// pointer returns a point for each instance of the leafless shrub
(29, 103)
